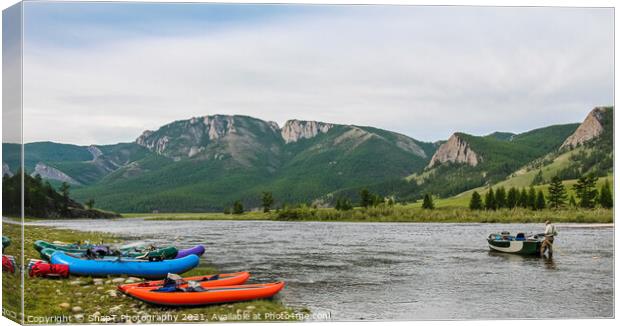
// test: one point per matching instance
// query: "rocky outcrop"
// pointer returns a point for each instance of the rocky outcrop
(455, 150)
(218, 126)
(94, 151)
(294, 130)
(407, 144)
(51, 173)
(6, 170)
(589, 129)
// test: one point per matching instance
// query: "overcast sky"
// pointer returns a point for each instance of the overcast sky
(98, 73)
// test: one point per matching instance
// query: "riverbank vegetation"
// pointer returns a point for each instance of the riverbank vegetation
(93, 300)
(586, 200)
(43, 201)
(400, 213)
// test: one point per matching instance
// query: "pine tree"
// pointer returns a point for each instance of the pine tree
(512, 198)
(489, 200)
(267, 200)
(557, 193)
(585, 190)
(538, 179)
(346, 205)
(428, 202)
(540, 200)
(237, 208)
(475, 203)
(500, 197)
(523, 198)
(531, 198)
(343, 204)
(606, 199)
(366, 198)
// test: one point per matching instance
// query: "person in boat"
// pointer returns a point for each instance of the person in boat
(547, 245)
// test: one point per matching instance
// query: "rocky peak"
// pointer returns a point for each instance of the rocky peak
(455, 150)
(294, 130)
(189, 136)
(589, 129)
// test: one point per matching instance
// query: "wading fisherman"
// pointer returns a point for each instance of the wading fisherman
(547, 244)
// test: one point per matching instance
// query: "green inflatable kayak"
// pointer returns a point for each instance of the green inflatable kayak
(151, 255)
(40, 245)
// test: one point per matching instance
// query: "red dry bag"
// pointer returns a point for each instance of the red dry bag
(8, 264)
(43, 269)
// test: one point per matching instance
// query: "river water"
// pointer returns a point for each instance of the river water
(399, 271)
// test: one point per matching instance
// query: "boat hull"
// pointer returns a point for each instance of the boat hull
(212, 295)
(223, 280)
(527, 247)
(131, 267)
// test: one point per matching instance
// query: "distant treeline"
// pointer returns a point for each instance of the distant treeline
(43, 201)
(585, 190)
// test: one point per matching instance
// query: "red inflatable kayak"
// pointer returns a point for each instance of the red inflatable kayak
(209, 295)
(205, 281)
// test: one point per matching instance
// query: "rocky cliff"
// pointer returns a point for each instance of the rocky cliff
(590, 128)
(294, 130)
(51, 173)
(455, 150)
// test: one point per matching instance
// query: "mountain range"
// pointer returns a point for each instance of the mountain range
(206, 163)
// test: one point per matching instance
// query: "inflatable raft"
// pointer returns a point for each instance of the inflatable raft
(125, 266)
(39, 245)
(210, 295)
(205, 281)
(152, 253)
(198, 250)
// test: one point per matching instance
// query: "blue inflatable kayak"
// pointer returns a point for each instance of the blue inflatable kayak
(130, 267)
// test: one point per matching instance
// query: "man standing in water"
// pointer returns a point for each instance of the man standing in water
(547, 244)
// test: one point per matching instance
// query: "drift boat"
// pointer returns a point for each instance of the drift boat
(125, 266)
(205, 281)
(519, 244)
(205, 296)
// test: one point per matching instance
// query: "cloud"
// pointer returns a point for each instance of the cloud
(422, 71)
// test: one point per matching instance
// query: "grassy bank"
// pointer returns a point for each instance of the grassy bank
(92, 300)
(399, 213)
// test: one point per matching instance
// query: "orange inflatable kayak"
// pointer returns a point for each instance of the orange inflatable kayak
(209, 295)
(205, 281)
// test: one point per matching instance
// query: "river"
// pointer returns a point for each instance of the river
(399, 271)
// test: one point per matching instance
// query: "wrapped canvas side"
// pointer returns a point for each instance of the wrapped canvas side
(12, 163)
